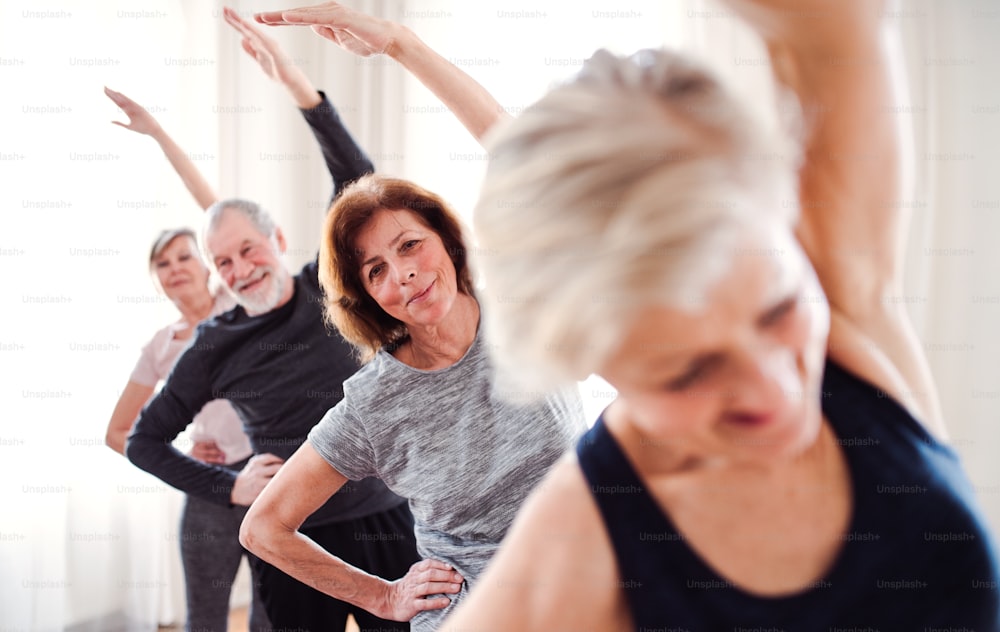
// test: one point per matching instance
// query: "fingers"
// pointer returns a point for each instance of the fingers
(432, 603)
(234, 20)
(209, 452)
(248, 47)
(271, 18)
(268, 471)
(120, 99)
(266, 459)
(318, 14)
(246, 29)
(433, 577)
(127, 105)
(431, 564)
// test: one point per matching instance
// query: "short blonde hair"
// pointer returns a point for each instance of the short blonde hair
(615, 191)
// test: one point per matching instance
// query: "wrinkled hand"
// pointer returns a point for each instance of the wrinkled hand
(273, 60)
(252, 479)
(405, 597)
(208, 452)
(139, 120)
(354, 31)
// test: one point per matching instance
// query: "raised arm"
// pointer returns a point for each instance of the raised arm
(270, 531)
(367, 35)
(833, 56)
(142, 122)
(274, 61)
(345, 160)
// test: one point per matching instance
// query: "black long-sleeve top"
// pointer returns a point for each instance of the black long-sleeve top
(281, 371)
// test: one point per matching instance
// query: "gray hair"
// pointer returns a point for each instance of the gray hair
(260, 218)
(616, 191)
(167, 237)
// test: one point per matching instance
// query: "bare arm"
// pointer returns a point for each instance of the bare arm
(367, 35)
(127, 410)
(142, 122)
(129, 405)
(833, 57)
(274, 61)
(270, 531)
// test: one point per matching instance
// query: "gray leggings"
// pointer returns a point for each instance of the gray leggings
(211, 552)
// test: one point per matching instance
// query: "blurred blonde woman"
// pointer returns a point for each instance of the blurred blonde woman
(775, 458)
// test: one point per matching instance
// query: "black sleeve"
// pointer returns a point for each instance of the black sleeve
(149, 446)
(345, 160)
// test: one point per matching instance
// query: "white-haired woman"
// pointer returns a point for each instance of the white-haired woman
(210, 548)
(775, 458)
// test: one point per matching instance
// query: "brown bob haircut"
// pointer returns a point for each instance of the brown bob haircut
(349, 307)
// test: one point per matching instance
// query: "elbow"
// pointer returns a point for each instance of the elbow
(251, 536)
(246, 535)
(262, 534)
(132, 450)
(112, 441)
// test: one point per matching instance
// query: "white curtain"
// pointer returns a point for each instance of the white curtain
(84, 536)
(952, 57)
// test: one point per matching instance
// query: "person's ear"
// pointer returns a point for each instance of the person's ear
(280, 239)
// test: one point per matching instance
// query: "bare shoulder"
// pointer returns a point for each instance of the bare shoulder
(555, 569)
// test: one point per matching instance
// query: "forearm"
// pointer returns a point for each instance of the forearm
(468, 100)
(149, 447)
(298, 556)
(193, 180)
(173, 467)
(299, 88)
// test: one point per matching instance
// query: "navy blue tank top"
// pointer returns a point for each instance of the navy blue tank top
(918, 554)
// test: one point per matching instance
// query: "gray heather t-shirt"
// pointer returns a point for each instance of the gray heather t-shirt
(446, 440)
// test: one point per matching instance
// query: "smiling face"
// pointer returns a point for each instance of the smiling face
(736, 379)
(406, 268)
(179, 270)
(248, 262)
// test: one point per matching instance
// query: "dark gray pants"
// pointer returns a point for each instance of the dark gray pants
(211, 553)
(293, 605)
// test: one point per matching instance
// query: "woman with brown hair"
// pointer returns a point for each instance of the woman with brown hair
(424, 414)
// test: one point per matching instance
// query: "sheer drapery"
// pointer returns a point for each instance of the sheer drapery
(83, 534)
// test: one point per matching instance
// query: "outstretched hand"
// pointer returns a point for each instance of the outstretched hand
(139, 120)
(411, 593)
(265, 50)
(354, 31)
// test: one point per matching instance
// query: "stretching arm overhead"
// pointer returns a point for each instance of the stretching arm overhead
(345, 160)
(834, 57)
(367, 35)
(142, 122)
